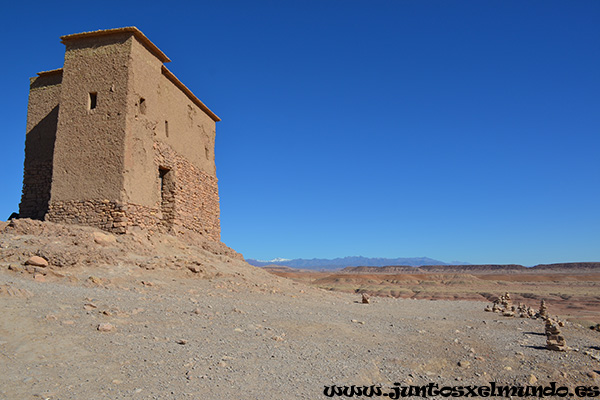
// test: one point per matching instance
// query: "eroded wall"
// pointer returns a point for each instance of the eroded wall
(167, 131)
(89, 150)
(42, 119)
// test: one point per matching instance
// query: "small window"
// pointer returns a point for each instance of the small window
(93, 100)
(142, 105)
(167, 128)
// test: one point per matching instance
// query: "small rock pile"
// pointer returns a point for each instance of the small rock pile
(503, 305)
(554, 339)
(543, 310)
(524, 311)
(366, 299)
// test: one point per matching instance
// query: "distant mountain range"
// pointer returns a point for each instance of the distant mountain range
(356, 261)
(576, 267)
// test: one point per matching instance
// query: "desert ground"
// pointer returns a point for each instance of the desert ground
(571, 294)
(151, 316)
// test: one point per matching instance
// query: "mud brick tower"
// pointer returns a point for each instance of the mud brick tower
(115, 140)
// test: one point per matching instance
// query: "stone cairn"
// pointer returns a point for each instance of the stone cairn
(554, 339)
(503, 305)
(366, 299)
(543, 310)
(524, 311)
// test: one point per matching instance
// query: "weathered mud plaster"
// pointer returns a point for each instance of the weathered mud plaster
(115, 140)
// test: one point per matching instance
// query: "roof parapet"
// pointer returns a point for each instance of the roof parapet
(132, 29)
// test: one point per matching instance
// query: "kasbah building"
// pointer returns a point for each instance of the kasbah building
(115, 141)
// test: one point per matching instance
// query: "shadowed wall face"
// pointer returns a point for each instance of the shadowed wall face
(42, 120)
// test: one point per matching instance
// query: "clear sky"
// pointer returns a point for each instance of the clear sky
(456, 130)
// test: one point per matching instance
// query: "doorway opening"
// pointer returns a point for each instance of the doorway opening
(167, 195)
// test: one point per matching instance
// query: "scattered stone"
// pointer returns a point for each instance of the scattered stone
(595, 327)
(195, 268)
(104, 239)
(532, 379)
(37, 261)
(366, 299)
(106, 327)
(464, 364)
(146, 283)
(181, 341)
(39, 278)
(89, 306)
(95, 280)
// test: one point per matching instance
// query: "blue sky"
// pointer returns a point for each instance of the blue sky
(457, 130)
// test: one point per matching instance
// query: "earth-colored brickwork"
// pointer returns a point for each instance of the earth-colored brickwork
(115, 140)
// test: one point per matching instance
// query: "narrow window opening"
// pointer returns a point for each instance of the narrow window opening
(167, 128)
(206, 153)
(93, 100)
(142, 105)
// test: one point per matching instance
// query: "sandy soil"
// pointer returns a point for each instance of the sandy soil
(232, 331)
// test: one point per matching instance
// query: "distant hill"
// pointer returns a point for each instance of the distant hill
(339, 263)
(582, 267)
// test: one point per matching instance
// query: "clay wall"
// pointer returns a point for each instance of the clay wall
(132, 145)
(89, 148)
(42, 119)
(167, 131)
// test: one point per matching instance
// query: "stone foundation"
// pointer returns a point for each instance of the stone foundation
(193, 201)
(190, 201)
(104, 214)
(37, 182)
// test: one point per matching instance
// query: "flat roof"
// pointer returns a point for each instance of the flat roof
(128, 29)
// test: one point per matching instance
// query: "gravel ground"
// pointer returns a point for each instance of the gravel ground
(231, 331)
(228, 339)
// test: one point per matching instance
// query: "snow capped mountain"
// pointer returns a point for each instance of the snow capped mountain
(357, 261)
